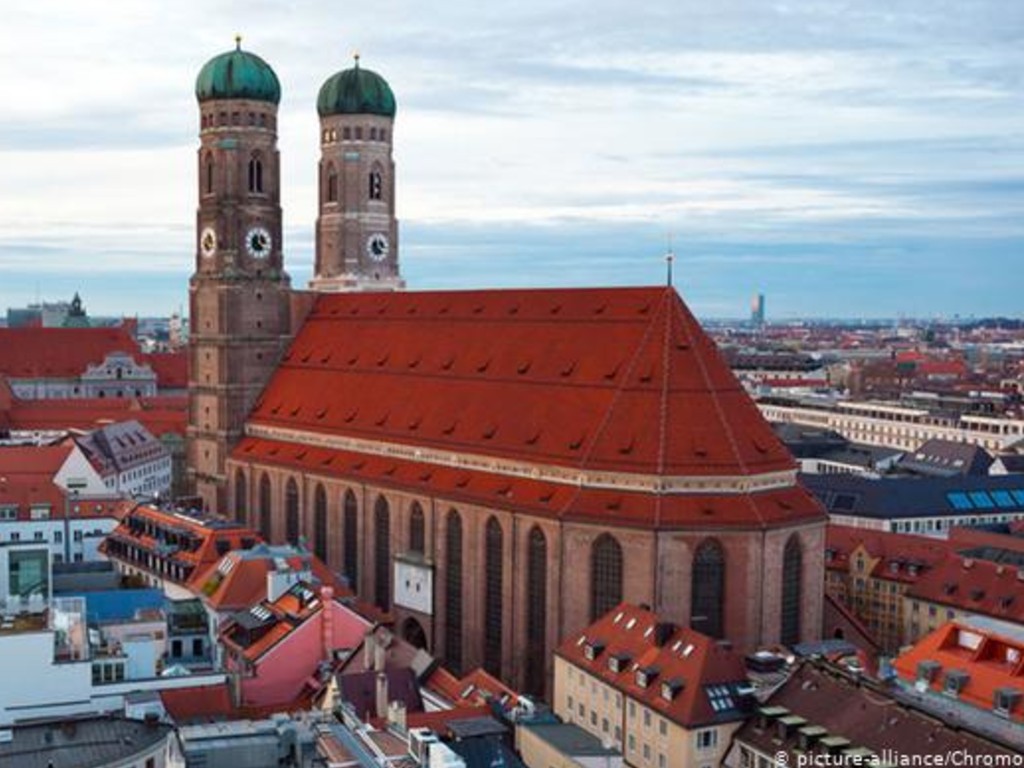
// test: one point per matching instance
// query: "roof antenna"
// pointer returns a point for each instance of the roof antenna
(670, 256)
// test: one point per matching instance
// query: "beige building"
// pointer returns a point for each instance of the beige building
(664, 696)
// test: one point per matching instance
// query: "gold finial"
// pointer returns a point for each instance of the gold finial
(356, 57)
(238, 42)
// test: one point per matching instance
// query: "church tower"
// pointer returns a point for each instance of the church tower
(238, 294)
(356, 230)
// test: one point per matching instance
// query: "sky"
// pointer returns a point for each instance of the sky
(847, 158)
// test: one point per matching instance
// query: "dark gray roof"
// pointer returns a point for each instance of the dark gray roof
(910, 496)
(81, 743)
(946, 458)
(473, 727)
(570, 739)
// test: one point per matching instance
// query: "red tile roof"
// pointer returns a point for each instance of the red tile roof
(619, 379)
(992, 660)
(60, 352)
(160, 415)
(778, 507)
(895, 552)
(684, 658)
(976, 586)
(171, 368)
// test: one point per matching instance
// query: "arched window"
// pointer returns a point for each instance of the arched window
(536, 610)
(332, 184)
(256, 174)
(453, 594)
(320, 522)
(376, 184)
(417, 529)
(241, 500)
(266, 515)
(350, 524)
(291, 511)
(707, 586)
(208, 175)
(382, 553)
(792, 571)
(605, 575)
(493, 594)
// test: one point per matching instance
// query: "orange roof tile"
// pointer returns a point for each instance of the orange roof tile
(975, 586)
(894, 552)
(171, 368)
(160, 415)
(993, 661)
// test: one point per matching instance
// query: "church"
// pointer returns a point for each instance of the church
(493, 468)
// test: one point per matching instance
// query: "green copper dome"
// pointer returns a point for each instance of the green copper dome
(356, 91)
(238, 74)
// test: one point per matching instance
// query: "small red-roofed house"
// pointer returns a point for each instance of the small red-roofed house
(978, 662)
(654, 691)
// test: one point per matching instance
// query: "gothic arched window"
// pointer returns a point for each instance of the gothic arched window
(382, 553)
(536, 610)
(417, 529)
(256, 174)
(291, 511)
(241, 501)
(494, 568)
(350, 523)
(792, 572)
(266, 515)
(320, 522)
(332, 184)
(453, 593)
(376, 185)
(605, 575)
(707, 586)
(208, 174)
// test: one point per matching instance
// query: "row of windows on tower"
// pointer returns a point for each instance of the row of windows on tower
(210, 120)
(254, 175)
(348, 133)
(375, 185)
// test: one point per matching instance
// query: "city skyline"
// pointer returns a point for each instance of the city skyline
(845, 163)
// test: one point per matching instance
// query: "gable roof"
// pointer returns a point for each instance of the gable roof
(976, 586)
(704, 676)
(899, 556)
(617, 379)
(946, 458)
(31, 352)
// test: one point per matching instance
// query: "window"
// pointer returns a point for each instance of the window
(708, 580)
(792, 571)
(453, 593)
(265, 511)
(291, 511)
(647, 718)
(536, 611)
(382, 553)
(256, 175)
(240, 500)
(208, 175)
(320, 522)
(332, 184)
(632, 743)
(663, 727)
(605, 575)
(376, 185)
(707, 738)
(493, 596)
(351, 538)
(417, 529)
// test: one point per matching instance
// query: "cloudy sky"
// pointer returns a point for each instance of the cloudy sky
(846, 157)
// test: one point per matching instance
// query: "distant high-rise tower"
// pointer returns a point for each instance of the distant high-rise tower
(356, 230)
(239, 293)
(757, 310)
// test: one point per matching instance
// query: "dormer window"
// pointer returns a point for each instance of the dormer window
(592, 649)
(671, 688)
(927, 671)
(1005, 700)
(956, 679)
(618, 662)
(645, 676)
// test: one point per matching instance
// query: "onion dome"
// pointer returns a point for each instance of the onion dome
(238, 74)
(356, 91)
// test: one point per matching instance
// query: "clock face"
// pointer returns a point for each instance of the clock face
(258, 242)
(377, 246)
(208, 242)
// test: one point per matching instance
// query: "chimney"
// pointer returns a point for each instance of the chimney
(327, 622)
(382, 694)
(378, 656)
(396, 715)
(663, 630)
